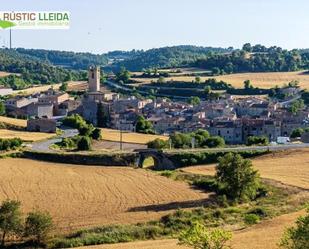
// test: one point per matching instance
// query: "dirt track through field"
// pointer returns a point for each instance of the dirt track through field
(84, 196)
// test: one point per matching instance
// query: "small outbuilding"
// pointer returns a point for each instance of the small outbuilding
(42, 125)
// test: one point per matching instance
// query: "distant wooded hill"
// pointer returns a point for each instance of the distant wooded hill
(65, 59)
(32, 70)
(39, 66)
(257, 58)
(165, 57)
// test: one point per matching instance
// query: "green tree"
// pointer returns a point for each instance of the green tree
(158, 144)
(254, 140)
(181, 140)
(297, 106)
(194, 100)
(247, 47)
(102, 116)
(200, 137)
(247, 84)
(37, 227)
(214, 142)
(198, 79)
(237, 177)
(64, 87)
(161, 80)
(2, 108)
(207, 90)
(297, 237)
(10, 219)
(84, 143)
(123, 75)
(297, 132)
(216, 71)
(86, 130)
(199, 236)
(96, 134)
(143, 126)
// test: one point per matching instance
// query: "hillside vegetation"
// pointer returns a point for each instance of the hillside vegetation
(31, 71)
(66, 59)
(256, 58)
(166, 57)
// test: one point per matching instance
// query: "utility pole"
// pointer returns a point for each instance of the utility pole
(120, 135)
(10, 38)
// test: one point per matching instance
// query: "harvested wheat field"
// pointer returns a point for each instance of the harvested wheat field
(4, 74)
(258, 237)
(25, 135)
(86, 196)
(129, 137)
(13, 121)
(262, 80)
(77, 85)
(288, 167)
(42, 88)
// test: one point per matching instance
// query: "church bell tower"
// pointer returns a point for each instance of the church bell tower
(94, 79)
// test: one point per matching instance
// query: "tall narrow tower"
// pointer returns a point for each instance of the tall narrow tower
(94, 79)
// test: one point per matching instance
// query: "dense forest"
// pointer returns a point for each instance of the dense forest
(32, 71)
(66, 59)
(166, 57)
(243, 61)
(257, 58)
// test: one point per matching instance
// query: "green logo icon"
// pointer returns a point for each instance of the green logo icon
(6, 24)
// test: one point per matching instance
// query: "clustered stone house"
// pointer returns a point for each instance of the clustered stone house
(234, 119)
(231, 118)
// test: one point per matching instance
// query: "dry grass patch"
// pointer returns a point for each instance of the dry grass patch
(262, 80)
(75, 85)
(265, 235)
(79, 196)
(25, 135)
(4, 74)
(129, 137)
(289, 167)
(13, 121)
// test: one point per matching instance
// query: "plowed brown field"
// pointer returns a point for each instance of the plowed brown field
(84, 196)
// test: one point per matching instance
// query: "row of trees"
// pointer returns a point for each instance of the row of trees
(35, 227)
(275, 60)
(166, 57)
(198, 139)
(77, 61)
(10, 144)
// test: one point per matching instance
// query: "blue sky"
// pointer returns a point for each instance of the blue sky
(103, 25)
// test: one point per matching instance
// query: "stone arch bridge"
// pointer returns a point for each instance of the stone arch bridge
(161, 160)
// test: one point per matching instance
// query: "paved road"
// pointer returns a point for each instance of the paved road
(246, 148)
(43, 146)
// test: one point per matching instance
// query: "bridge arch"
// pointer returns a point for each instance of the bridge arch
(161, 161)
